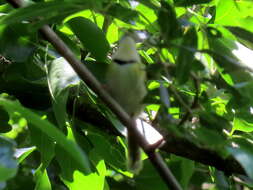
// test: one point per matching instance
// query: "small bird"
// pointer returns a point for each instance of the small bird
(125, 81)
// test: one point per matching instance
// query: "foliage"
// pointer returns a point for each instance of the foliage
(57, 134)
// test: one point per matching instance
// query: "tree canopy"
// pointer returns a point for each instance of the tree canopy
(60, 130)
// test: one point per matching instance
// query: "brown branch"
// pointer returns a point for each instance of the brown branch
(173, 144)
(93, 83)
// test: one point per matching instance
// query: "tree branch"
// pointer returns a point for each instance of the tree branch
(93, 83)
(173, 144)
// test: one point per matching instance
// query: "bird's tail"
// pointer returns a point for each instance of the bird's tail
(134, 154)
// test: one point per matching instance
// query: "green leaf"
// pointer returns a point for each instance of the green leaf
(184, 3)
(125, 14)
(186, 56)
(213, 121)
(170, 27)
(183, 169)
(42, 180)
(44, 144)
(149, 178)
(242, 125)
(242, 151)
(8, 165)
(210, 137)
(244, 35)
(23, 153)
(14, 42)
(68, 167)
(91, 37)
(92, 181)
(76, 154)
(112, 153)
(41, 9)
(61, 78)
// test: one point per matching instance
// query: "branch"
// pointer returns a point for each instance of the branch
(175, 145)
(184, 148)
(94, 84)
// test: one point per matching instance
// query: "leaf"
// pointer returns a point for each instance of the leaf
(125, 14)
(42, 180)
(92, 181)
(44, 144)
(91, 37)
(243, 34)
(61, 77)
(76, 154)
(211, 138)
(170, 27)
(183, 169)
(242, 125)
(149, 178)
(242, 151)
(65, 161)
(41, 9)
(213, 121)
(186, 57)
(112, 153)
(184, 3)
(8, 165)
(14, 42)
(22, 153)
(221, 180)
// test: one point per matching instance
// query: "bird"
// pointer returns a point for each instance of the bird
(125, 81)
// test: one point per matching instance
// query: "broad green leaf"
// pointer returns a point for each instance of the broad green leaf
(186, 56)
(68, 167)
(61, 77)
(112, 153)
(183, 169)
(44, 144)
(242, 125)
(170, 27)
(187, 168)
(91, 37)
(122, 13)
(92, 181)
(184, 3)
(40, 9)
(234, 13)
(8, 165)
(225, 12)
(242, 151)
(42, 180)
(76, 154)
(14, 42)
(244, 36)
(149, 178)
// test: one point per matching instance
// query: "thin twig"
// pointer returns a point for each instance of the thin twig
(94, 84)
